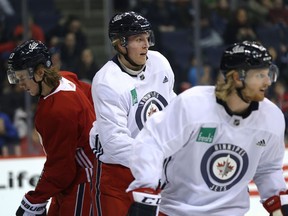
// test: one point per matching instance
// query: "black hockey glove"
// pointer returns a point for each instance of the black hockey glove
(146, 202)
(277, 205)
(28, 209)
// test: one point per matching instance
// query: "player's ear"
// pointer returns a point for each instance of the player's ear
(121, 49)
(39, 72)
(236, 79)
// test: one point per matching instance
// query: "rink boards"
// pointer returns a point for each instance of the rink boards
(19, 175)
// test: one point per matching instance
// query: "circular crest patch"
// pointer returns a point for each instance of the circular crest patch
(151, 102)
(223, 166)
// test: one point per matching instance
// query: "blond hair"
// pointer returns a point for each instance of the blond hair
(51, 75)
(225, 86)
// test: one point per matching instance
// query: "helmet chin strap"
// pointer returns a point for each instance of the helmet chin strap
(239, 92)
(39, 85)
(129, 59)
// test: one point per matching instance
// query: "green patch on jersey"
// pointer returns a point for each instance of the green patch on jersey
(134, 96)
(206, 135)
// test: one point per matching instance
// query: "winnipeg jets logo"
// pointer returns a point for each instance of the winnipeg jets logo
(116, 18)
(150, 103)
(120, 16)
(223, 165)
(32, 46)
(152, 109)
(238, 49)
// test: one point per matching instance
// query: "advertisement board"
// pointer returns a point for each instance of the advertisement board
(19, 175)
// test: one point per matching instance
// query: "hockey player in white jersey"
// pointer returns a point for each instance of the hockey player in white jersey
(219, 139)
(126, 91)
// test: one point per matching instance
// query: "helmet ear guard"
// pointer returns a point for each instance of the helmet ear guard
(273, 72)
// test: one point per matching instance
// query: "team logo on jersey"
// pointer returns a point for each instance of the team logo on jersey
(223, 166)
(151, 102)
(206, 135)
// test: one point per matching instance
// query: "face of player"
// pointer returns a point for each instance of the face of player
(26, 83)
(137, 47)
(257, 82)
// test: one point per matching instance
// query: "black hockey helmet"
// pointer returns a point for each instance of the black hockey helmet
(247, 55)
(27, 55)
(123, 25)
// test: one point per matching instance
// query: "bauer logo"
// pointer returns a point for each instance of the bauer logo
(206, 135)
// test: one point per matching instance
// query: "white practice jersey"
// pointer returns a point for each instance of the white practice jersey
(123, 103)
(214, 154)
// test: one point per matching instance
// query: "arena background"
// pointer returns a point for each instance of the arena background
(178, 42)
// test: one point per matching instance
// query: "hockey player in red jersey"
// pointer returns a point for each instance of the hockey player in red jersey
(63, 118)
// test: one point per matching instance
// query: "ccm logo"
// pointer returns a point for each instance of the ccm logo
(151, 201)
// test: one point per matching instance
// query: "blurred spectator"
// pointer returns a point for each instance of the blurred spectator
(283, 63)
(11, 99)
(8, 137)
(209, 36)
(34, 31)
(20, 122)
(182, 13)
(7, 46)
(65, 25)
(167, 16)
(280, 98)
(194, 72)
(4, 32)
(239, 28)
(3, 67)
(279, 13)
(13, 104)
(56, 58)
(56, 34)
(74, 25)
(220, 16)
(272, 51)
(160, 14)
(259, 10)
(70, 52)
(199, 75)
(121, 5)
(6, 8)
(184, 86)
(87, 66)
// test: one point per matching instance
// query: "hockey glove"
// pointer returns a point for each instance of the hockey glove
(277, 205)
(146, 202)
(28, 209)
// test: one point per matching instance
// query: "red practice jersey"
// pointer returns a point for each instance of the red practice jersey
(63, 120)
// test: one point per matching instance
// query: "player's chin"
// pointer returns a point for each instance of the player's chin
(259, 97)
(142, 60)
(32, 94)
